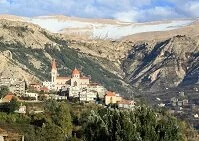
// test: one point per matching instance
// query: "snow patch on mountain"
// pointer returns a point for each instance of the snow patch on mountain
(106, 30)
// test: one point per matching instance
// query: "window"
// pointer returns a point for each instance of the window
(75, 83)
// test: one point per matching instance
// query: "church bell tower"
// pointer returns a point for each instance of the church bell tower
(53, 72)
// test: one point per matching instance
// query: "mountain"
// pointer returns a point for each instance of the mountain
(99, 28)
(151, 56)
(160, 65)
(27, 51)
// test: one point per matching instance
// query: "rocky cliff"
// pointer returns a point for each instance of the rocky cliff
(160, 65)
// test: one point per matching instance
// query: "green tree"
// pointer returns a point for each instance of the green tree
(3, 91)
(51, 107)
(60, 114)
(63, 118)
(142, 124)
(13, 105)
(50, 132)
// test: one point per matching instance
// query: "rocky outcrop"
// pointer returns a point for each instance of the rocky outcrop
(160, 65)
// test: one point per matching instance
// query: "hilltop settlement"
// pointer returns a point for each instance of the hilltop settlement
(75, 87)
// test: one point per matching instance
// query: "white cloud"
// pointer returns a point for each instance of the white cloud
(192, 8)
(127, 16)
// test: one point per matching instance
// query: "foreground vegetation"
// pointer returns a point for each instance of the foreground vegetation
(61, 121)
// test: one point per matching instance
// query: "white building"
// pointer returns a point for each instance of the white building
(76, 84)
(16, 86)
(98, 88)
(33, 95)
(57, 82)
(22, 109)
(126, 104)
(88, 96)
(57, 97)
(47, 84)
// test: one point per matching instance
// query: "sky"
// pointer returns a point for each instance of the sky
(123, 10)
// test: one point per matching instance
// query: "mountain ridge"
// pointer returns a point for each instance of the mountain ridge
(100, 28)
(136, 58)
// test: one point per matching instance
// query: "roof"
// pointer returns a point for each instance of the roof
(64, 78)
(109, 93)
(75, 71)
(54, 64)
(44, 89)
(9, 97)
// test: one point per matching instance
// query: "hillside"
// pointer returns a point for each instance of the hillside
(32, 49)
(168, 63)
(148, 58)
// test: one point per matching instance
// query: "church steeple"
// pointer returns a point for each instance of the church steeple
(53, 72)
(54, 65)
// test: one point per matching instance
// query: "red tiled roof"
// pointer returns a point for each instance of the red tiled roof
(9, 97)
(109, 93)
(75, 71)
(44, 89)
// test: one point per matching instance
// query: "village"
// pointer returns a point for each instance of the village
(74, 88)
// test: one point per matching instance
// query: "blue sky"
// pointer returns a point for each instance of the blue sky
(124, 10)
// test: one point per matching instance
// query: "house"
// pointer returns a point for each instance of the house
(44, 90)
(57, 97)
(112, 98)
(185, 102)
(98, 88)
(16, 86)
(48, 85)
(22, 109)
(88, 96)
(9, 97)
(126, 104)
(31, 95)
(35, 86)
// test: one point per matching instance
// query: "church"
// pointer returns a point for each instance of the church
(75, 80)
(76, 84)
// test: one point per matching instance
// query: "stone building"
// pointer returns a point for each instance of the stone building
(112, 98)
(76, 85)
(75, 80)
